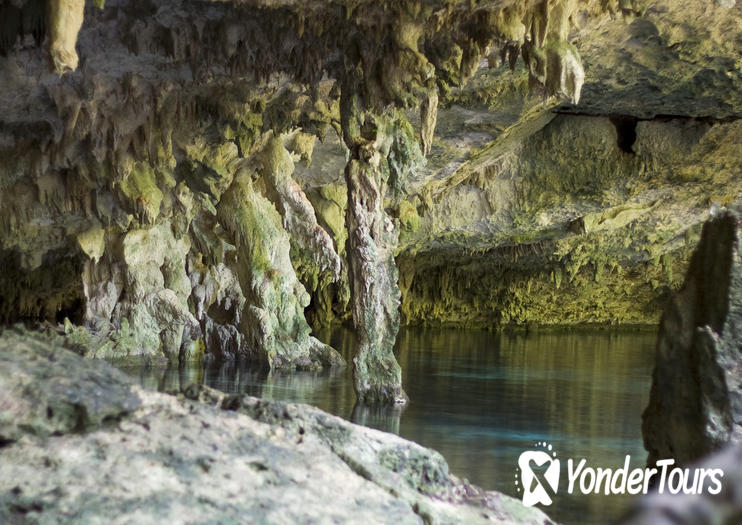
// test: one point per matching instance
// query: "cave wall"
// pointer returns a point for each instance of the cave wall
(565, 226)
(147, 201)
(559, 219)
(172, 182)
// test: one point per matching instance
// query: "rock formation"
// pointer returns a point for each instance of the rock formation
(79, 442)
(372, 238)
(696, 403)
(696, 509)
(64, 20)
(172, 178)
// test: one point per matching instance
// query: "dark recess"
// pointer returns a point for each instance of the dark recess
(626, 132)
(18, 22)
(50, 292)
(73, 311)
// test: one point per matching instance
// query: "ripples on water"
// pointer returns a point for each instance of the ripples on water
(481, 399)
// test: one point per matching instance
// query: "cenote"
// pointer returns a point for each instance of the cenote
(481, 398)
(198, 185)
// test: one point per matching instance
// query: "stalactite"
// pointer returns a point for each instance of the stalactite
(64, 21)
(428, 118)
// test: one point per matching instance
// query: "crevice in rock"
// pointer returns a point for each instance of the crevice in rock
(625, 131)
(363, 472)
(22, 509)
(566, 109)
(359, 469)
(426, 517)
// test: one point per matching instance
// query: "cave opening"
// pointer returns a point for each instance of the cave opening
(625, 132)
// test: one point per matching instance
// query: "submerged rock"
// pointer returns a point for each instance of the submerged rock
(205, 456)
(695, 405)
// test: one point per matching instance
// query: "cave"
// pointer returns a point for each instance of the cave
(266, 240)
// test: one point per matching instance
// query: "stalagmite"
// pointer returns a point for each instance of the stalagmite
(695, 403)
(373, 282)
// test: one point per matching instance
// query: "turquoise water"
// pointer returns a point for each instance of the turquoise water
(481, 399)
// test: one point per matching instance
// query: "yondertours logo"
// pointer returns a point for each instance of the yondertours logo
(538, 472)
(538, 475)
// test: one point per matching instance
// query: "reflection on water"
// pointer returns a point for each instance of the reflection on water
(481, 399)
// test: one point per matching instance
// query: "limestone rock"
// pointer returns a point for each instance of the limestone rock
(696, 402)
(272, 319)
(428, 119)
(373, 283)
(372, 240)
(520, 233)
(47, 390)
(298, 215)
(174, 98)
(65, 21)
(205, 456)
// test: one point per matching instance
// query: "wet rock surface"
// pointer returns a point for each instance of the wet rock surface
(695, 405)
(204, 456)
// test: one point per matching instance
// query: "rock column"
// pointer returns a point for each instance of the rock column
(372, 239)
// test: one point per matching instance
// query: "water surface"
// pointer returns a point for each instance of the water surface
(481, 399)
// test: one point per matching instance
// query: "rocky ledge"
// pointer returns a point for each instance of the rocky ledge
(80, 443)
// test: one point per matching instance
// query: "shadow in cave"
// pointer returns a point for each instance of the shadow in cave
(625, 131)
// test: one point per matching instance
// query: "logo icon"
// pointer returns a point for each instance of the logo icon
(539, 475)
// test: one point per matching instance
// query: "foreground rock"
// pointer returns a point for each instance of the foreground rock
(81, 444)
(695, 405)
(697, 509)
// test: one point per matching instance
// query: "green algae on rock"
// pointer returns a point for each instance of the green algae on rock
(372, 239)
(175, 108)
(272, 318)
(522, 234)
